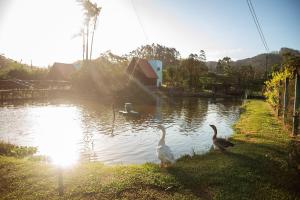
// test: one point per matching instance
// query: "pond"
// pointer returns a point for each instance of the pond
(75, 131)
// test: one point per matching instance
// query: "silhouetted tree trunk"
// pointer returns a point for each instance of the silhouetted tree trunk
(92, 40)
(83, 44)
(87, 42)
(91, 12)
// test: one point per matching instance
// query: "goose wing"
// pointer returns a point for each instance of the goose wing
(165, 154)
(223, 142)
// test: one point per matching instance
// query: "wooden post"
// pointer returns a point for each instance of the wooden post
(285, 100)
(296, 105)
(279, 99)
(60, 182)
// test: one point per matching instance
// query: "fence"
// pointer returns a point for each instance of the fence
(289, 100)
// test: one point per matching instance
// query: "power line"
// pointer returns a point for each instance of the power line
(146, 37)
(263, 36)
(140, 21)
(142, 27)
(257, 24)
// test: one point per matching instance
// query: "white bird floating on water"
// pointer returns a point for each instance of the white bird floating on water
(164, 152)
(128, 111)
(220, 143)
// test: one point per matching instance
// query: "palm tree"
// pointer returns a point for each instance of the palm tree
(91, 12)
(87, 7)
(83, 43)
(96, 11)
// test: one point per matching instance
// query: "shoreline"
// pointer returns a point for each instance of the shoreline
(115, 98)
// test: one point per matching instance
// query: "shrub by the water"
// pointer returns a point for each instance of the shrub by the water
(7, 149)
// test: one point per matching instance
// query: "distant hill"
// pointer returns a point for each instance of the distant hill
(10, 69)
(259, 62)
(6, 62)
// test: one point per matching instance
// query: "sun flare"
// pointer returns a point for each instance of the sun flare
(60, 133)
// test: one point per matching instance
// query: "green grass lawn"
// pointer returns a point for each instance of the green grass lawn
(262, 165)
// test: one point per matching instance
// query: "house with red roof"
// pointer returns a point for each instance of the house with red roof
(148, 73)
(61, 71)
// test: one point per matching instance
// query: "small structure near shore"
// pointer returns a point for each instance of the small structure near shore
(149, 73)
(61, 71)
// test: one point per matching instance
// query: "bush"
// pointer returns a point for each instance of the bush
(272, 86)
(100, 77)
(7, 149)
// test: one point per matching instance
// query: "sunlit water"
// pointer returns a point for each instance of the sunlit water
(69, 132)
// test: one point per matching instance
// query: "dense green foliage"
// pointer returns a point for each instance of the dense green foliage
(273, 85)
(7, 149)
(291, 62)
(178, 72)
(10, 69)
(103, 76)
(107, 74)
(257, 167)
(169, 56)
(191, 70)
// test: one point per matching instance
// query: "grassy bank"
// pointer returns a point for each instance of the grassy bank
(262, 165)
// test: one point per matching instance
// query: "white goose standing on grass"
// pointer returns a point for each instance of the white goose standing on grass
(220, 143)
(164, 152)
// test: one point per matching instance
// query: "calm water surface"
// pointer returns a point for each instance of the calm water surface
(73, 131)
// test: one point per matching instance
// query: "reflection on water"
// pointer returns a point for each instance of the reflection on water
(71, 131)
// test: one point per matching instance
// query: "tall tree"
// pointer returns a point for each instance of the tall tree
(202, 56)
(192, 69)
(87, 41)
(224, 66)
(113, 58)
(87, 7)
(95, 13)
(91, 13)
(220, 67)
(83, 43)
(169, 56)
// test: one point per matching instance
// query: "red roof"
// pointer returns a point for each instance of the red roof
(61, 71)
(143, 65)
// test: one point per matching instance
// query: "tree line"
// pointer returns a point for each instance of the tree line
(10, 69)
(190, 73)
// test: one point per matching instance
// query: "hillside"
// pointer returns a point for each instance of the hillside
(10, 69)
(259, 62)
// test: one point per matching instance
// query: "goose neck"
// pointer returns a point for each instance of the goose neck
(215, 134)
(162, 139)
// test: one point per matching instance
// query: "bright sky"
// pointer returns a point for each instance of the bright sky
(43, 30)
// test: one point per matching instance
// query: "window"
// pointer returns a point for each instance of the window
(158, 69)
